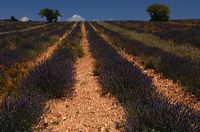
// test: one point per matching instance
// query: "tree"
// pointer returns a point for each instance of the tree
(50, 14)
(12, 18)
(56, 15)
(158, 12)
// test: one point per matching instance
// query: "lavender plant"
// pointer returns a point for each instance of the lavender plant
(180, 34)
(182, 69)
(52, 79)
(146, 110)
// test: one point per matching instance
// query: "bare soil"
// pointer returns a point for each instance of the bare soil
(49, 52)
(23, 30)
(87, 111)
(173, 90)
(41, 58)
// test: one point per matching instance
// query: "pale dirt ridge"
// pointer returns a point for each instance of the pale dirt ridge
(43, 56)
(172, 90)
(49, 52)
(87, 111)
(23, 30)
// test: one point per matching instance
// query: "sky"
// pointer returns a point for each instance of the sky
(98, 9)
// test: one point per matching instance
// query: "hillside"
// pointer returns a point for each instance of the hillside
(100, 76)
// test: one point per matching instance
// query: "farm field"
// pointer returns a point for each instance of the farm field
(9, 26)
(108, 76)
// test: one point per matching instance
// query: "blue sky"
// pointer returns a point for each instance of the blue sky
(98, 9)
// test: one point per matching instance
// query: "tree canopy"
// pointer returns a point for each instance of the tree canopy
(51, 15)
(159, 12)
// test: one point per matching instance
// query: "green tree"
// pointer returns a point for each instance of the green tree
(56, 15)
(159, 12)
(50, 14)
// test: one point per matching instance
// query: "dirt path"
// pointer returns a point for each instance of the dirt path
(174, 91)
(23, 30)
(87, 110)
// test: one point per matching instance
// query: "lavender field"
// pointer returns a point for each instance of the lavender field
(75, 75)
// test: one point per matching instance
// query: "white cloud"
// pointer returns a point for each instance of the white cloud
(59, 18)
(76, 18)
(25, 19)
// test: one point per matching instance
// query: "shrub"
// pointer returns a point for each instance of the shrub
(159, 12)
(50, 14)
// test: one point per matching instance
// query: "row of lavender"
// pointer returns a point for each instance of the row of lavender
(54, 78)
(13, 66)
(182, 69)
(13, 26)
(181, 34)
(9, 39)
(146, 109)
(16, 47)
